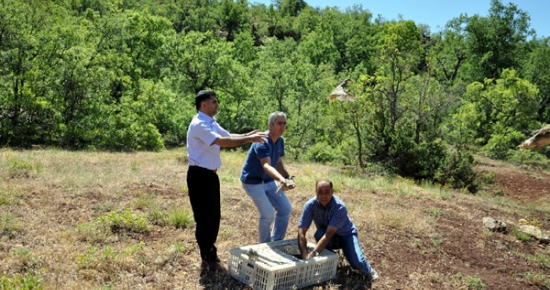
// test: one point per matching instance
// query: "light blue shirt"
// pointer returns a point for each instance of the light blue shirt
(201, 134)
(335, 214)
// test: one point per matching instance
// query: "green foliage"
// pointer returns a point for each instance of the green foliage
(488, 177)
(529, 158)
(8, 196)
(499, 145)
(126, 220)
(121, 76)
(475, 283)
(496, 112)
(495, 41)
(179, 218)
(9, 225)
(29, 281)
(458, 172)
(439, 212)
(537, 279)
(92, 232)
(541, 259)
(421, 162)
(522, 236)
(20, 168)
(536, 70)
(93, 258)
(323, 152)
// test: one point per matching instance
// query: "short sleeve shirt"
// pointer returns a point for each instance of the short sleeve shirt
(335, 214)
(253, 172)
(202, 133)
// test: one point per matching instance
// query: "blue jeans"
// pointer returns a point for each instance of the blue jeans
(265, 199)
(352, 250)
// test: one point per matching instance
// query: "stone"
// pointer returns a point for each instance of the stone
(494, 225)
(535, 232)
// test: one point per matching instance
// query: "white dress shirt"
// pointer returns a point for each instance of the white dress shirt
(201, 134)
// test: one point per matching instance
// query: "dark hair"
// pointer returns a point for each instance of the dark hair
(317, 183)
(203, 96)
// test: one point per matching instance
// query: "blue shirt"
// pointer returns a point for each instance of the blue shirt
(335, 214)
(201, 134)
(253, 172)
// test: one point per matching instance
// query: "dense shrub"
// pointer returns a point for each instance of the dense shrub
(458, 172)
(432, 161)
(529, 158)
(499, 144)
(323, 152)
(420, 162)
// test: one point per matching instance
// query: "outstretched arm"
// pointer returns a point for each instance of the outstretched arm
(237, 140)
(245, 134)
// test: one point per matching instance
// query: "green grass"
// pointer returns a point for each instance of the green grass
(474, 283)
(179, 218)
(126, 220)
(9, 225)
(541, 259)
(29, 281)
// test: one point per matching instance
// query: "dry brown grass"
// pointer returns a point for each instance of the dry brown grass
(417, 237)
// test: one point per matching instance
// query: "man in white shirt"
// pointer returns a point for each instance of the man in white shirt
(204, 139)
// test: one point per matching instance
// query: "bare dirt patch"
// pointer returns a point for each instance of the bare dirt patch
(519, 184)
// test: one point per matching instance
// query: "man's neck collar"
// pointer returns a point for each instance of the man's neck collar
(206, 116)
(273, 138)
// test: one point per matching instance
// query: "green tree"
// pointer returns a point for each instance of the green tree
(399, 50)
(496, 112)
(537, 70)
(496, 42)
(198, 61)
(290, 7)
(233, 17)
(27, 114)
(318, 47)
(450, 52)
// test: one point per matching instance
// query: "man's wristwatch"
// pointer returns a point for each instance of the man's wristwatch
(315, 253)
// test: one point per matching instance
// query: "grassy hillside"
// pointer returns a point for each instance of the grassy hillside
(97, 220)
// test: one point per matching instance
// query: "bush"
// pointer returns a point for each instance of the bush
(498, 146)
(126, 133)
(420, 162)
(126, 220)
(458, 172)
(530, 158)
(323, 152)
(23, 169)
(27, 282)
(179, 218)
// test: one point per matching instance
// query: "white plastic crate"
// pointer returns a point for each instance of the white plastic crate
(274, 266)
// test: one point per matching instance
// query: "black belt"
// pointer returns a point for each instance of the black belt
(195, 167)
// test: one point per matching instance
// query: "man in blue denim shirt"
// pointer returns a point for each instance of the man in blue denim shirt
(263, 166)
(333, 224)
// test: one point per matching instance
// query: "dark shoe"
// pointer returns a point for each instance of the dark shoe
(212, 266)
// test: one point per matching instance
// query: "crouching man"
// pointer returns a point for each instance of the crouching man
(334, 226)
